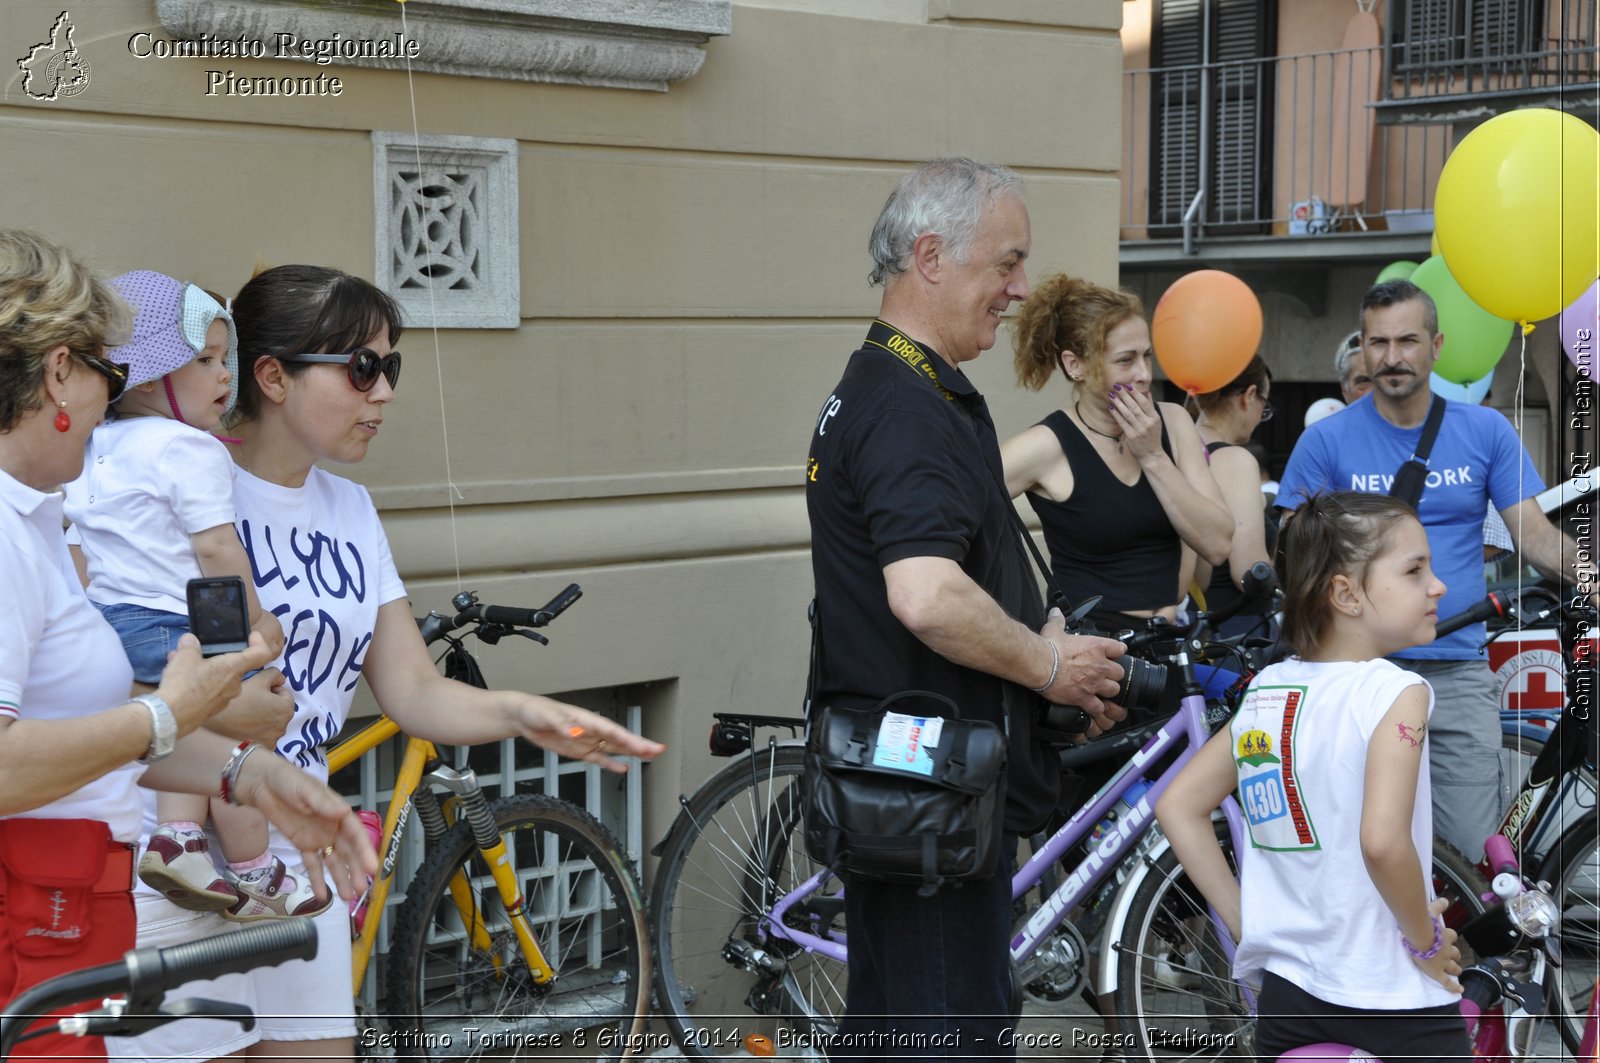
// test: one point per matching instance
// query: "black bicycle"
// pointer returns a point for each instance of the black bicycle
(132, 991)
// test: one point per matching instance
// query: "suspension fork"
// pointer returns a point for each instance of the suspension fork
(473, 804)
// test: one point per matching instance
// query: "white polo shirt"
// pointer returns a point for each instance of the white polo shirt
(58, 657)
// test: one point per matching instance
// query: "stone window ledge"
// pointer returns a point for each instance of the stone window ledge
(606, 43)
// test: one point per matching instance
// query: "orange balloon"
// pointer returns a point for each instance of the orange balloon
(1205, 330)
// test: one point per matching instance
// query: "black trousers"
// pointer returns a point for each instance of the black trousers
(930, 977)
(1290, 1017)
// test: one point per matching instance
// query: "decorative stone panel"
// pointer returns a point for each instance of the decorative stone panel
(622, 44)
(447, 241)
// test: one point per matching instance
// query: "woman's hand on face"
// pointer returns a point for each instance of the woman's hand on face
(196, 687)
(316, 821)
(1140, 420)
(582, 735)
(261, 712)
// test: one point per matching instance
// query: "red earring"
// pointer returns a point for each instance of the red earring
(63, 422)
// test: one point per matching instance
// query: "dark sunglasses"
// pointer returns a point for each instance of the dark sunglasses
(362, 365)
(116, 374)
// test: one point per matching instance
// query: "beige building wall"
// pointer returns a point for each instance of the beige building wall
(693, 274)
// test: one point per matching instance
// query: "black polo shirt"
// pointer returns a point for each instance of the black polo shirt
(904, 462)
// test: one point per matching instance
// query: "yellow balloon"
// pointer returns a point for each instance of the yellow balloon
(1516, 213)
(1433, 243)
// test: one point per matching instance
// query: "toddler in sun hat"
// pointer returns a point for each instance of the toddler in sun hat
(153, 510)
(173, 327)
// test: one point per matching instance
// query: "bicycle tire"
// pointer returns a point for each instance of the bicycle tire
(1175, 990)
(1459, 881)
(585, 904)
(1572, 868)
(1517, 752)
(735, 849)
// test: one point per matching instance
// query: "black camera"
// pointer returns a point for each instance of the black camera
(1142, 687)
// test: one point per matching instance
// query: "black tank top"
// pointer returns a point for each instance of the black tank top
(1222, 591)
(1108, 538)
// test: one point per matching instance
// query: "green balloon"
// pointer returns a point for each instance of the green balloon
(1397, 271)
(1474, 339)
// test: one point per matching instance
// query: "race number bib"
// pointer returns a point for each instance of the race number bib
(1264, 753)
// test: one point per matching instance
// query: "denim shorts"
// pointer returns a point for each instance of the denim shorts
(147, 635)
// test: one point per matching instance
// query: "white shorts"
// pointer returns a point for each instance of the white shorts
(295, 1001)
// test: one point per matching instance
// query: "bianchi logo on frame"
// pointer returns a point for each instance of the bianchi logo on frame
(55, 69)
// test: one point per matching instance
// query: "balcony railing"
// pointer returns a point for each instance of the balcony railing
(1458, 55)
(1286, 145)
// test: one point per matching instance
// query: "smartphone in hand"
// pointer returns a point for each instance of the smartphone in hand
(219, 615)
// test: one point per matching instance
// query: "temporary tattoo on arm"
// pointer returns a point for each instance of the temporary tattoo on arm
(1411, 734)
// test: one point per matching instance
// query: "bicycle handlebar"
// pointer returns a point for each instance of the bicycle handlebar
(1490, 608)
(1257, 585)
(436, 626)
(147, 974)
(1501, 606)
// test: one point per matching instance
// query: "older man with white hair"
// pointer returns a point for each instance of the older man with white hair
(922, 585)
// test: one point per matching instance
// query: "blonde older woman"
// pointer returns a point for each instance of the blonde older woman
(73, 746)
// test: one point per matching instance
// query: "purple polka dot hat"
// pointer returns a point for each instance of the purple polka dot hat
(169, 328)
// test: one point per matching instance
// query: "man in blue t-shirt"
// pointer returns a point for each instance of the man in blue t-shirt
(1477, 463)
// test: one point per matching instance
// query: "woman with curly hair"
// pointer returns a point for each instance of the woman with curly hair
(1119, 480)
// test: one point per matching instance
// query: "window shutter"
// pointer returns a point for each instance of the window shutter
(1176, 102)
(1237, 111)
(1499, 27)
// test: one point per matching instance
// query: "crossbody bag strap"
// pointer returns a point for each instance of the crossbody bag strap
(811, 673)
(1430, 430)
(1055, 599)
(1411, 479)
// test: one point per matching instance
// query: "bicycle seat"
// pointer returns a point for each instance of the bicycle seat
(1326, 1052)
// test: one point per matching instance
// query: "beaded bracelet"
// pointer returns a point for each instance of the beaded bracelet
(1433, 950)
(1055, 668)
(230, 771)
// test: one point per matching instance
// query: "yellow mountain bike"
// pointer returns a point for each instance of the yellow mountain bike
(523, 930)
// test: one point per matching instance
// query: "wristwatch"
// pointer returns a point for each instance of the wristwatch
(163, 728)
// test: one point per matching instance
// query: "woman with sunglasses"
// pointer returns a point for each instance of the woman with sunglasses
(1227, 418)
(73, 745)
(1118, 479)
(317, 370)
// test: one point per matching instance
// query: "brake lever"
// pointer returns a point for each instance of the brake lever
(534, 635)
(113, 1018)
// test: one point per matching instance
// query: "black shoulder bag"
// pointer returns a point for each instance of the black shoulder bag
(1412, 476)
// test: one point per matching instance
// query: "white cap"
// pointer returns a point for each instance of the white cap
(1322, 408)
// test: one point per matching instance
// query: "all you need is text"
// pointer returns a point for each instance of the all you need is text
(320, 50)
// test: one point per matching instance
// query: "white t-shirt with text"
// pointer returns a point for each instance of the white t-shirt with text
(1310, 911)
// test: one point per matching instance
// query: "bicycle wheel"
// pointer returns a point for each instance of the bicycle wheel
(1175, 992)
(459, 986)
(1573, 870)
(1456, 879)
(735, 850)
(1517, 753)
